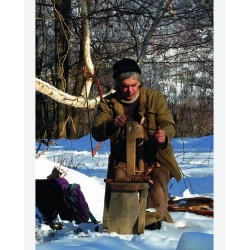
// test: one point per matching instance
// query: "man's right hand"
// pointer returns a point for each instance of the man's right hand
(120, 121)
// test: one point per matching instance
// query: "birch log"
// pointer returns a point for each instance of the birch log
(62, 97)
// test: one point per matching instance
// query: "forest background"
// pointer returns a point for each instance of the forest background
(78, 41)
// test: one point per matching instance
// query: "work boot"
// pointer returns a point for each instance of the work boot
(154, 226)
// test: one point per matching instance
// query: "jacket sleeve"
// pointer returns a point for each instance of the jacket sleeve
(103, 128)
(164, 118)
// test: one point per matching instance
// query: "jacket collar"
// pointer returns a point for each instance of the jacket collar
(118, 108)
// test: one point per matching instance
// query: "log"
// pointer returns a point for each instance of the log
(199, 205)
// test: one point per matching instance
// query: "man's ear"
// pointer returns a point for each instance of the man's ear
(139, 84)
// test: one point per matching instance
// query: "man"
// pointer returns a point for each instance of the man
(132, 102)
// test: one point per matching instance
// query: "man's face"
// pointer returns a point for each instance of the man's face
(129, 88)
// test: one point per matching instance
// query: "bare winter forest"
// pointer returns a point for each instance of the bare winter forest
(78, 41)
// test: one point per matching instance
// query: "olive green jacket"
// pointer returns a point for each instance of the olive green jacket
(152, 106)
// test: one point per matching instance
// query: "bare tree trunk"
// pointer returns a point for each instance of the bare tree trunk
(82, 86)
(157, 19)
(76, 112)
(62, 38)
(86, 45)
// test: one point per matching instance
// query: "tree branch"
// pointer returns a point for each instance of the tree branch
(62, 97)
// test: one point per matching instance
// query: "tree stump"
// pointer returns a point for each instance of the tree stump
(125, 207)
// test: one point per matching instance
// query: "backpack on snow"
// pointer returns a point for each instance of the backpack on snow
(77, 207)
(56, 196)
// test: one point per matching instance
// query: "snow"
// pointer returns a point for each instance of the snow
(189, 231)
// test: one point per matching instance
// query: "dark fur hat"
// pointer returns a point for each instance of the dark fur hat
(125, 65)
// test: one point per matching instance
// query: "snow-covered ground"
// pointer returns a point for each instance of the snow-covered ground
(189, 231)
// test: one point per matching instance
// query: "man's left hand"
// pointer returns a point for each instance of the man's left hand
(160, 136)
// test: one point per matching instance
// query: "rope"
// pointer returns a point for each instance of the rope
(97, 148)
(86, 73)
(96, 80)
(90, 133)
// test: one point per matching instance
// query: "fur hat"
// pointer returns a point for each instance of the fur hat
(125, 65)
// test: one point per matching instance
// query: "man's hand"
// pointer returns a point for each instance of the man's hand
(120, 121)
(160, 136)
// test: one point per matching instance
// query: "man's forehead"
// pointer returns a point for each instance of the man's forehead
(130, 81)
